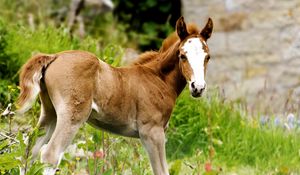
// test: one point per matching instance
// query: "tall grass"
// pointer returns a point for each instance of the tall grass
(238, 140)
(21, 44)
(18, 44)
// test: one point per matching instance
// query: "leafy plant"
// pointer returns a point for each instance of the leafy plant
(16, 154)
(148, 30)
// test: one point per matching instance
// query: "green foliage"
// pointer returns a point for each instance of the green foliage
(148, 30)
(237, 139)
(4, 63)
(108, 30)
(237, 142)
(49, 13)
(176, 167)
(19, 11)
(22, 43)
(18, 44)
(17, 154)
(8, 92)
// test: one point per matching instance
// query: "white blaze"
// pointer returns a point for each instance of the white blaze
(195, 54)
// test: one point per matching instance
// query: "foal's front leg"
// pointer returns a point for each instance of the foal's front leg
(153, 139)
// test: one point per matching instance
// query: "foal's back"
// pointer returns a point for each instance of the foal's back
(116, 98)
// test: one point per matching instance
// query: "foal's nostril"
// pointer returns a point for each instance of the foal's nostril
(193, 85)
(202, 89)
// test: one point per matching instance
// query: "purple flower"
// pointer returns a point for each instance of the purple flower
(264, 120)
(291, 120)
(277, 121)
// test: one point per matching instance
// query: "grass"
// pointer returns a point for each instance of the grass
(201, 131)
(238, 140)
(18, 44)
(21, 44)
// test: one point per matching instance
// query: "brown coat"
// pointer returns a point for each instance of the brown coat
(135, 101)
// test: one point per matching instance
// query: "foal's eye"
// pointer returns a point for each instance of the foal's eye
(182, 57)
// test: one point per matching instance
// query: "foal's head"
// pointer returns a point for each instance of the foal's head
(194, 55)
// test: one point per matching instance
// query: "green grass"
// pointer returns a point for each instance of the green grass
(21, 44)
(238, 140)
(240, 145)
(18, 44)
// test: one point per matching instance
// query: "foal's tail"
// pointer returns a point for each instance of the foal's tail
(30, 76)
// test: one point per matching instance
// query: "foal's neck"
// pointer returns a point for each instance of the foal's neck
(175, 79)
(167, 67)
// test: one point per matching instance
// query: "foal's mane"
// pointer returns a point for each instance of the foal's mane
(167, 43)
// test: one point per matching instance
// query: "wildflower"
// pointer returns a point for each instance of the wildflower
(290, 120)
(264, 120)
(98, 154)
(291, 117)
(277, 121)
(208, 167)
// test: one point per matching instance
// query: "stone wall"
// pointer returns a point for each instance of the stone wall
(255, 49)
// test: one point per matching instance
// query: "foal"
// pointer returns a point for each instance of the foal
(135, 101)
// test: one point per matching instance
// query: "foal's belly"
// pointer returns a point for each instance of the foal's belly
(99, 120)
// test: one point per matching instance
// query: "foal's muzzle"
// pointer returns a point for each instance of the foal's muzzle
(197, 90)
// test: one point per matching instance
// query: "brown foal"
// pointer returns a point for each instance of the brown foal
(135, 101)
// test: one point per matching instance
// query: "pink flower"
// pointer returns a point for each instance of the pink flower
(208, 167)
(99, 154)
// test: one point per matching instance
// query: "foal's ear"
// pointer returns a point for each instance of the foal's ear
(207, 30)
(181, 28)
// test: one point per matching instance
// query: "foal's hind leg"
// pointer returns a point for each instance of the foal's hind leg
(47, 121)
(69, 120)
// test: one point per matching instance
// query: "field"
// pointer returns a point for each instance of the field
(212, 135)
(204, 133)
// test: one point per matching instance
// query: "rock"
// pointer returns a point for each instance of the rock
(293, 51)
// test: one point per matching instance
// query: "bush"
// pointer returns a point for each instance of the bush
(4, 62)
(18, 44)
(147, 22)
(8, 93)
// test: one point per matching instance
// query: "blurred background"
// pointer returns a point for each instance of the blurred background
(255, 44)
